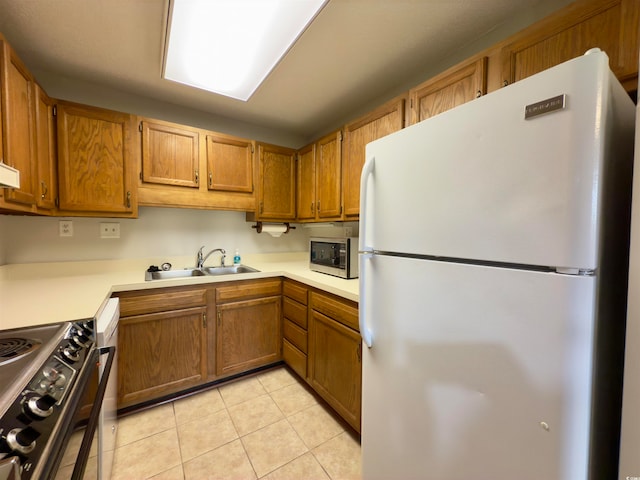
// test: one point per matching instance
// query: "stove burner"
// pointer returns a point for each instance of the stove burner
(13, 348)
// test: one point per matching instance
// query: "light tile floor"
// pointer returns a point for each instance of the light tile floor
(266, 426)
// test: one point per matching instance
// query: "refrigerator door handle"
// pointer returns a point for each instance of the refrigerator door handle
(367, 171)
(365, 332)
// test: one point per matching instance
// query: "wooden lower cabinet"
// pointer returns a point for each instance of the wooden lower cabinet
(248, 325)
(335, 355)
(294, 327)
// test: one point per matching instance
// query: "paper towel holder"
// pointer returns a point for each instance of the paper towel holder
(258, 227)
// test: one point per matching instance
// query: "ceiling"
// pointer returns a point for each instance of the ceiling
(354, 52)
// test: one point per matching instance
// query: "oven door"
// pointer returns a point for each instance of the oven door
(78, 447)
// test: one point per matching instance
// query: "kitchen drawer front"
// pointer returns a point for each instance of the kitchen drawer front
(295, 312)
(296, 335)
(249, 289)
(343, 311)
(294, 290)
(294, 358)
(161, 301)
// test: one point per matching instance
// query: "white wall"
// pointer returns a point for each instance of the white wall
(157, 232)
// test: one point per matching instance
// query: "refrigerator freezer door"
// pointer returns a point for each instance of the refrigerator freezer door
(476, 372)
(481, 182)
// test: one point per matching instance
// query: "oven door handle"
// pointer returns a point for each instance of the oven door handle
(94, 416)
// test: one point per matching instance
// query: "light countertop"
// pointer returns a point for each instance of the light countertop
(36, 293)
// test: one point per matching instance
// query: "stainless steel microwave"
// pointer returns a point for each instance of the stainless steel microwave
(334, 256)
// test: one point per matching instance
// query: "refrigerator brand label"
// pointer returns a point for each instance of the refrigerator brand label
(545, 106)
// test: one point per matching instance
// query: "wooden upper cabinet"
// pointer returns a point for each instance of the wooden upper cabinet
(47, 164)
(451, 88)
(169, 154)
(386, 119)
(328, 154)
(276, 199)
(306, 183)
(611, 25)
(229, 164)
(18, 135)
(94, 161)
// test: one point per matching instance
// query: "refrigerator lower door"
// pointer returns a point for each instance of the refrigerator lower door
(476, 372)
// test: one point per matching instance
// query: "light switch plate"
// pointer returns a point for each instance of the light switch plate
(109, 230)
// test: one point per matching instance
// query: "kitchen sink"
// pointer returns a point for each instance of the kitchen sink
(228, 270)
(197, 272)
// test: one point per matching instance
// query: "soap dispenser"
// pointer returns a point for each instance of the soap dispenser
(236, 257)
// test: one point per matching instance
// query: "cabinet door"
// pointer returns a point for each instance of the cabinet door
(46, 151)
(94, 164)
(611, 25)
(329, 177)
(169, 155)
(249, 334)
(229, 164)
(335, 366)
(385, 120)
(276, 181)
(18, 136)
(160, 353)
(306, 184)
(453, 87)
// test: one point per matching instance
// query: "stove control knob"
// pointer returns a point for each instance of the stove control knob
(71, 353)
(22, 440)
(40, 407)
(81, 340)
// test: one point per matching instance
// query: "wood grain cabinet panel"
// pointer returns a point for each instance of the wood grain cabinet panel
(95, 170)
(17, 89)
(160, 353)
(249, 334)
(382, 121)
(170, 154)
(276, 192)
(611, 25)
(329, 177)
(46, 147)
(335, 366)
(229, 164)
(306, 183)
(454, 87)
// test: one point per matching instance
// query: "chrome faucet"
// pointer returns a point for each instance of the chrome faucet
(200, 259)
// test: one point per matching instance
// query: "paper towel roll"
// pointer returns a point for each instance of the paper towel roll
(274, 230)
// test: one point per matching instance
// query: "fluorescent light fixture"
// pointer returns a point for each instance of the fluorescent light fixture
(230, 46)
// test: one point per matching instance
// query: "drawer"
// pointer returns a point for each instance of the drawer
(135, 303)
(296, 335)
(295, 312)
(294, 358)
(249, 289)
(343, 311)
(294, 290)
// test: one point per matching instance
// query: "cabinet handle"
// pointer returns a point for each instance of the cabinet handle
(311, 207)
(204, 320)
(197, 174)
(210, 179)
(129, 199)
(219, 317)
(44, 189)
(261, 207)
(318, 206)
(478, 93)
(505, 83)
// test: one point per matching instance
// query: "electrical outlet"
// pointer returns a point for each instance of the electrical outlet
(348, 231)
(66, 228)
(109, 230)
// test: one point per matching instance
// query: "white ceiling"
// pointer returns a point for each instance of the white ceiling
(355, 52)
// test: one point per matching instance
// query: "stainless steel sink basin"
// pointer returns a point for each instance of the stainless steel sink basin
(228, 270)
(197, 272)
(162, 274)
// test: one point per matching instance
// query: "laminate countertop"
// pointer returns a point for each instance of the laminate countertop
(38, 293)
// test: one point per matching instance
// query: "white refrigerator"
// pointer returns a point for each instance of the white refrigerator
(493, 274)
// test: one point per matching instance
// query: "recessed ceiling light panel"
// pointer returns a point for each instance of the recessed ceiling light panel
(230, 46)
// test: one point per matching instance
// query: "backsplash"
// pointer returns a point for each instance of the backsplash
(157, 232)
